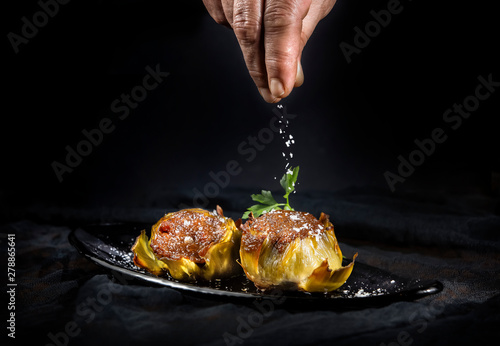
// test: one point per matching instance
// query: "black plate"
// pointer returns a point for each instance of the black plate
(109, 246)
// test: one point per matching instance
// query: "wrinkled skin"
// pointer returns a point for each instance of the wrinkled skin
(272, 35)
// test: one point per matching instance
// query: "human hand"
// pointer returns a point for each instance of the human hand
(272, 35)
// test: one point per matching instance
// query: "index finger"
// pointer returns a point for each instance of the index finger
(247, 26)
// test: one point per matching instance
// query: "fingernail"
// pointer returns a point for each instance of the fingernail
(276, 87)
(267, 96)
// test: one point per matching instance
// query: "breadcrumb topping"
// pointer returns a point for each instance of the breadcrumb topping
(282, 227)
(188, 234)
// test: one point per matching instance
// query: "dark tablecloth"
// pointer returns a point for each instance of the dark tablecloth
(64, 299)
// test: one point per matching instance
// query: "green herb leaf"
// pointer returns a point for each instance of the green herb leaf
(266, 199)
(259, 209)
(288, 181)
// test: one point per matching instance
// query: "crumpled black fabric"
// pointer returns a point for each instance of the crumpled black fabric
(64, 299)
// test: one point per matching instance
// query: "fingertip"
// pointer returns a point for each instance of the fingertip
(268, 96)
(276, 87)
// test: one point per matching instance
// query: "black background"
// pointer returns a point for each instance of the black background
(353, 119)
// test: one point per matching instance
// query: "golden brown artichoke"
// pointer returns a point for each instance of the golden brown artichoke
(292, 250)
(191, 244)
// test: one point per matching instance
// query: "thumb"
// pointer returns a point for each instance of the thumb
(316, 13)
(299, 78)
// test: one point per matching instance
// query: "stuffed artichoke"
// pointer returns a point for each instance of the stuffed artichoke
(191, 244)
(292, 250)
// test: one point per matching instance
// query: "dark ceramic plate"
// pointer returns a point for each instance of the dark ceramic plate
(109, 246)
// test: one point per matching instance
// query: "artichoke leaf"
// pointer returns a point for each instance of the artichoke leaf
(325, 279)
(220, 258)
(250, 259)
(144, 256)
(182, 269)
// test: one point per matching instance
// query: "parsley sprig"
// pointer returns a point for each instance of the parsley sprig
(266, 199)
